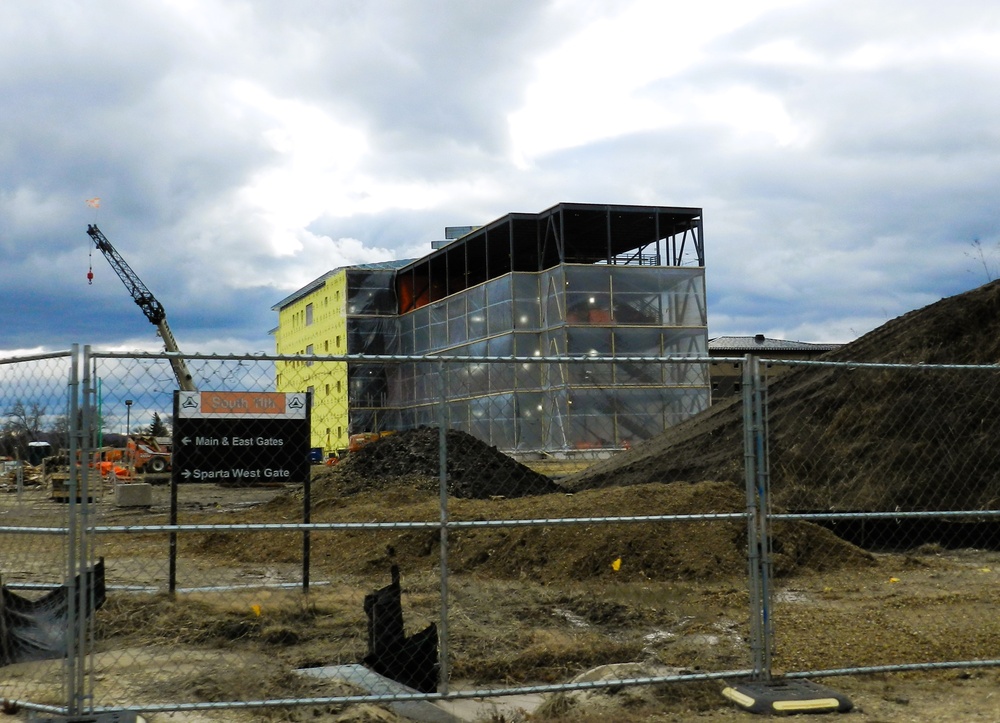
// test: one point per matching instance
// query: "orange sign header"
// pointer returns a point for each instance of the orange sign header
(242, 403)
(266, 405)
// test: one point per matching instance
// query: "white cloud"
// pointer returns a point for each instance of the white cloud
(316, 166)
(592, 86)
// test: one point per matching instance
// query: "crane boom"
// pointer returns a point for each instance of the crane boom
(152, 308)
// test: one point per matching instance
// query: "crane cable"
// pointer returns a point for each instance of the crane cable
(94, 203)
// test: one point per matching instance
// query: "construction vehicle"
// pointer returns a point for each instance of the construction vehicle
(152, 308)
(356, 442)
(145, 453)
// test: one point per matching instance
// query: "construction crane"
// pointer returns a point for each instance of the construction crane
(152, 308)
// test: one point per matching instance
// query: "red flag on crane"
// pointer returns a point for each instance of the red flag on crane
(94, 202)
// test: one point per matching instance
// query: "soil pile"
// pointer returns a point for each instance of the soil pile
(475, 470)
(620, 549)
(961, 329)
(395, 479)
(863, 438)
(690, 550)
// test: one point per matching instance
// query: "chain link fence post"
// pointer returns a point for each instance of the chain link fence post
(443, 492)
(758, 536)
(76, 631)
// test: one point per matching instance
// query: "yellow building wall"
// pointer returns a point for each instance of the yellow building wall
(316, 324)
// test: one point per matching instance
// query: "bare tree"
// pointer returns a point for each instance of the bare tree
(22, 424)
(24, 420)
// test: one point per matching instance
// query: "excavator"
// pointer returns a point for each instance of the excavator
(152, 308)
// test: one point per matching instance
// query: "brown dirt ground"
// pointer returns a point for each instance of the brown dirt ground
(545, 604)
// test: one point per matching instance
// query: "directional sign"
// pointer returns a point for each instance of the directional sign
(241, 438)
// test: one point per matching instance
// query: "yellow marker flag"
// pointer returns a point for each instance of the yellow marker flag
(256, 609)
(616, 565)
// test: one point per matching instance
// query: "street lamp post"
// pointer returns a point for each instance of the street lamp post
(128, 416)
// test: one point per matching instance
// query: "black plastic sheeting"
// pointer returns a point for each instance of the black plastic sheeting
(371, 330)
(37, 629)
(412, 661)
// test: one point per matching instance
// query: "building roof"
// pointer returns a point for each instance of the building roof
(567, 233)
(317, 283)
(584, 233)
(760, 342)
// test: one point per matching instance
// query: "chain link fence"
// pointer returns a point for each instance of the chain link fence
(484, 549)
(902, 462)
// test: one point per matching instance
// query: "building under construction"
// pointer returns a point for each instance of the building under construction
(576, 282)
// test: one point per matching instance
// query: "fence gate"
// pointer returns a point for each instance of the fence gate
(52, 584)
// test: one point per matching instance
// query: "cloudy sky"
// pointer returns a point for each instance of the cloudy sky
(846, 153)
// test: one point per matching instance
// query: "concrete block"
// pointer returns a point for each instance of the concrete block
(133, 494)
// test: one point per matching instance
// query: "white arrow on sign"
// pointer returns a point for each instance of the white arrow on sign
(186, 440)
(185, 473)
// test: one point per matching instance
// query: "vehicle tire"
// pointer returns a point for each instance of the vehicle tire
(157, 465)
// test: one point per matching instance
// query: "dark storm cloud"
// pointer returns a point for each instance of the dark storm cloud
(141, 104)
(441, 73)
(106, 101)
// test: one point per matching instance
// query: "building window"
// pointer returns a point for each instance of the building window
(309, 314)
(337, 344)
(309, 350)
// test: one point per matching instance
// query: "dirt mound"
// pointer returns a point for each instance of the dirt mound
(702, 549)
(475, 470)
(961, 329)
(857, 439)
(546, 553)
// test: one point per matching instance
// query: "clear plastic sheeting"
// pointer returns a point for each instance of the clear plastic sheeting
(585, 312)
